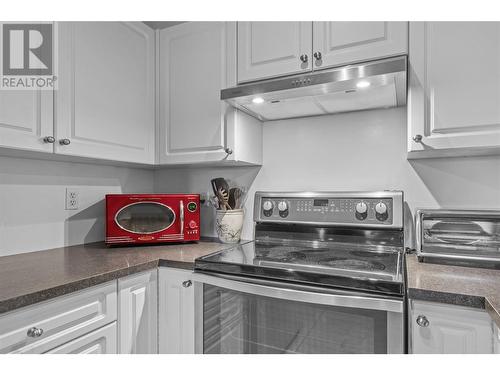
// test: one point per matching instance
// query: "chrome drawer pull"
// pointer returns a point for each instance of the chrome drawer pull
(187, 283)
(418, 138)
(422, 321)
(34, 332)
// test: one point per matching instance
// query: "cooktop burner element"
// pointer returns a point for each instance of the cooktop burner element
(354, 264)
(334, 245)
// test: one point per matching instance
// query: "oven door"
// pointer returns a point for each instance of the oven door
(241, 315)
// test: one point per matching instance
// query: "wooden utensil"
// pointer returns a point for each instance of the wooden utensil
(232, 198)
(235, 195)
(223, 198)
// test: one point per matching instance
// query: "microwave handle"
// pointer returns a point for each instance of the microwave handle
(181, 216)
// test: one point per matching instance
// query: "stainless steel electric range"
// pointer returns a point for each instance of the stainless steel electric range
(323, 275)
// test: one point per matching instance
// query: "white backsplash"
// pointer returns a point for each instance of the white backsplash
(352, 151)
(32, 201)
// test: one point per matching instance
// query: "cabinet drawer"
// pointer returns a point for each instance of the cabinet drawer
(62, 320)
(100, 341)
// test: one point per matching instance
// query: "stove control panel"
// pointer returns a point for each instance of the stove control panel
(349, 209)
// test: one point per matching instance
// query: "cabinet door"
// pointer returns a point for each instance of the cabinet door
(176, 320)
(497, 339)
(105, 100)
(450, 330)
(137, 313)
(193, 69)
(342, 43)
(26, 118)
(100, 341)
(454, 89)
(271, 49)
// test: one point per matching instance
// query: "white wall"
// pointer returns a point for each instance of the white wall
(352, 151)
(32, 201)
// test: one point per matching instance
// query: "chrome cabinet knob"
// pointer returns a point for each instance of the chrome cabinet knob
(64, 142)
(49, 139)
(317, 55)
(187, 283)
(303, 58)
(417, 138)
(34, 332)
(228, 150)
(422, 321)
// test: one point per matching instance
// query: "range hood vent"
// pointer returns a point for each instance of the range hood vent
(375, 84)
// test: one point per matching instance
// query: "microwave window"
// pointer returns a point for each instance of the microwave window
(145, 218)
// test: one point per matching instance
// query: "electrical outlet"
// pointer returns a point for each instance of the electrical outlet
(72, 199)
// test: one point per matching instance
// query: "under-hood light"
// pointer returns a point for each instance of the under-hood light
(362, 84)
(257, 100)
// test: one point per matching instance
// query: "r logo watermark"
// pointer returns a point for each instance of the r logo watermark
(28, 56)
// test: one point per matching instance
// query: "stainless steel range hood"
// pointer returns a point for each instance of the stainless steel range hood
(374, 84)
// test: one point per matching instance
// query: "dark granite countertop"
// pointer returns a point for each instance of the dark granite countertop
(466, 286)
(29, 278)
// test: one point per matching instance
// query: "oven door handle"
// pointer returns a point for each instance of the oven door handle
(314, 295)
(181, 216)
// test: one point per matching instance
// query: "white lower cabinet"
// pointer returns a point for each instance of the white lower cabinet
(449, 329)
(176, 311)
(48, 325)
(497, 340)
(137, 313)
(100, 341)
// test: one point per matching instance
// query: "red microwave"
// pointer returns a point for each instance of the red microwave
(152, 218)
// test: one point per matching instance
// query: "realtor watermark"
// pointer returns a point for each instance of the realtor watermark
(28, 56)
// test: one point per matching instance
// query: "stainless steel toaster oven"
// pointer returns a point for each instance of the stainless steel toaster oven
(460, 235)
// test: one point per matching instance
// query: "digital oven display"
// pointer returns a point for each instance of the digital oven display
(320, 203)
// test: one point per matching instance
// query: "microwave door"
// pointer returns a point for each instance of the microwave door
(145, 218)
(181, 218)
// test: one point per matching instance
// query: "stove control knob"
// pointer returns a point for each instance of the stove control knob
(283, 208)
(192, 224)
(380, 208)
(361, 210)
(381, 211)
(268, 207)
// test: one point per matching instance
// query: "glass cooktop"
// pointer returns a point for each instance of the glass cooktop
(345, 265)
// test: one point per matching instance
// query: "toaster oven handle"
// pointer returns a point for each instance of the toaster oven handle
(181, 216)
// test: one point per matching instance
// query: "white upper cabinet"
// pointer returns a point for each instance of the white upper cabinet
(271, 49)
(341, 43)
(105, 101)
(454, 89)
(197, 60)
(26, 119)
(447, 329)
